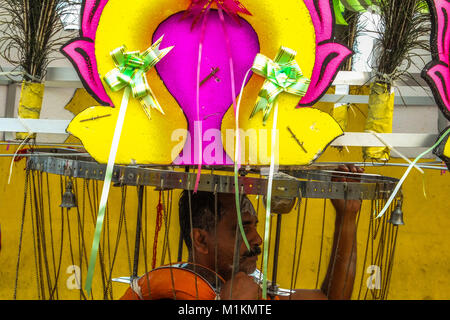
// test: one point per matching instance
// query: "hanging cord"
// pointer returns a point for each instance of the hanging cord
(216, 268)
(116, 247)
(301, 242)
(321, 241)
(124, 195)
(51, 231)
(388, 254)
(86, 189)
(81, 241)
(27, 176)
(192, 241)
(69, 234)
(55, 288)
(167, 204)
(394, 243)
(134, 284)
(36, 239)
(167, 226)
(158, 225)
(145, 242)
(295, 241)
(41, 217)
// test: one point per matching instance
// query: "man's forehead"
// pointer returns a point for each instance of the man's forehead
(228, 200)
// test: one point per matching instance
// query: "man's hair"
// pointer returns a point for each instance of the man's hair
(203, 213)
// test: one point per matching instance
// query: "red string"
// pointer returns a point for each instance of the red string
(198, 8)
(159, 217)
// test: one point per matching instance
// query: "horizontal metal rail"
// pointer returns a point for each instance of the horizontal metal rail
(291, 184)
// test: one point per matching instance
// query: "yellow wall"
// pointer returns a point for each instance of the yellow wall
(420, 268)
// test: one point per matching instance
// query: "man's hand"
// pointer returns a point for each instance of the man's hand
(244, 288)
(342, 205)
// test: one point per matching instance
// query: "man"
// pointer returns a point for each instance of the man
(213, 248)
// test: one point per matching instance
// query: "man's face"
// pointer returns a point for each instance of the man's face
(226, 235)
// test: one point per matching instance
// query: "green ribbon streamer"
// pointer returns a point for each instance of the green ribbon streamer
(282, 75)
(269, 204)
(105, 190)
(338, 12)
(129, 74)
(130, 70)
(356, 5)
(399, 184)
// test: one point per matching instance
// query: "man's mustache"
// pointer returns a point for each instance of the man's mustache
(253, 252)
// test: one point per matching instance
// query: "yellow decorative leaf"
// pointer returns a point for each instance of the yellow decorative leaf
(142, 140)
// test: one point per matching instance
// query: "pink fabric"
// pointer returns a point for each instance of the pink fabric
(81, 51)
(329, 55)
(437, 72)
(92, 10)
(179, 73)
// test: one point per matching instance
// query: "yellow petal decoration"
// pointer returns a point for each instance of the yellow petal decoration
(80, 101)
(303, 134)
(443, 149)
(446, 152)
(139, 143)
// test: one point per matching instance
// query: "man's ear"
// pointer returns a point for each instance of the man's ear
(201, 239)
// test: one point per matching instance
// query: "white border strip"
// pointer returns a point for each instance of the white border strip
(34, 125)
(349, 139)
(398, 140)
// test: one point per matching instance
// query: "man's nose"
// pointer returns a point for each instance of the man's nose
(255, 239)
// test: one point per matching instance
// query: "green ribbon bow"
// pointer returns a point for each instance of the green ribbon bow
(130, 70)
(129, 74)
(282, 75)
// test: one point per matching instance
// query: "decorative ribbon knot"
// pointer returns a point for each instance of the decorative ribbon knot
(282, 75)
(130, 70)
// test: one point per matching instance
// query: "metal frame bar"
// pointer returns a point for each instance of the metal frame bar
(292, 184)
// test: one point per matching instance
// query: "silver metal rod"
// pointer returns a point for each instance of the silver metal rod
(44, 154)
(53, 144)
(371, 164)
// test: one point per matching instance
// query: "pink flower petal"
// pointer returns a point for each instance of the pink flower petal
(81, 52)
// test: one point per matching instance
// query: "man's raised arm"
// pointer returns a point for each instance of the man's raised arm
(340, 277)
